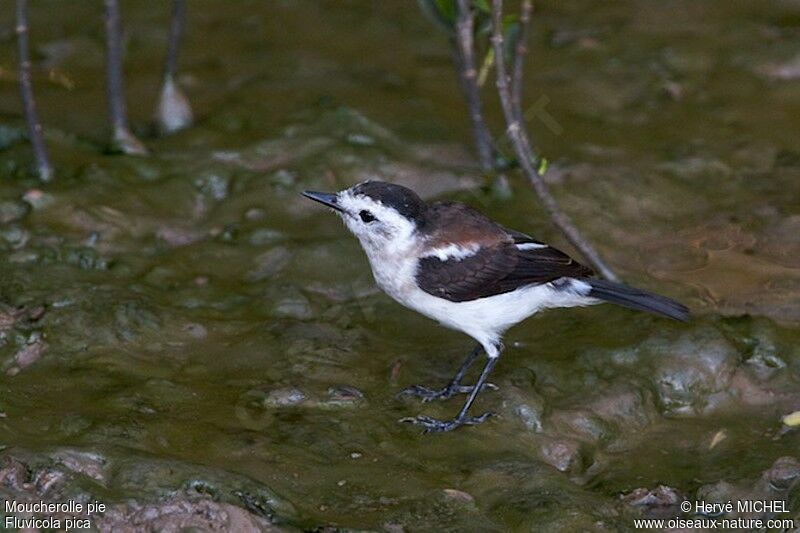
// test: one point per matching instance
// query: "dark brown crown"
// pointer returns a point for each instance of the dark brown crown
(401, 199)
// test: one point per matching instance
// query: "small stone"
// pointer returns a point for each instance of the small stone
(125, 142)
(37, 198)
(718, 492)
(213, 185)
(285, 397)
(86, 463)
(36, 313)
(459, 496)
(177, 237)
(29, 354)
(15, 236)
(531, 418)
(787, 71)
(180, 514)
(196, 331)
(784, 473)
(46, 479)
(764, 361)
(8, 319)
(562, 454)
(14, 474)
(661, 502)
(690, 368)
(254, 214)
(355, 455)
(11, 211)
(283, 178)
(673, 90)
(296, 306)
(345, 395)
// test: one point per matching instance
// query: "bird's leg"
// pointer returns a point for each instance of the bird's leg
(433, 425)
(452, 388)
(123, 139)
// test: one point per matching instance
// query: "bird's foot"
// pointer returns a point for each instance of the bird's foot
(432, 425)
(428, 395)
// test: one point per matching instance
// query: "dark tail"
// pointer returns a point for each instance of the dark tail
(620, 294)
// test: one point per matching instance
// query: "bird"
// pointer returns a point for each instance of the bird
(454, 265)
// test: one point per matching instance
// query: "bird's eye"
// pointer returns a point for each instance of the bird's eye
(366, 216)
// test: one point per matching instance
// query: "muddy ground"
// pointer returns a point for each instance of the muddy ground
(188, 341)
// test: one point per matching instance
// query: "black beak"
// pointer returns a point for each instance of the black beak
(324, 198)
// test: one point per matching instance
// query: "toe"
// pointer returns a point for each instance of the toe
(474, 420)
(424, 393)
(432, 425)
(416, 390)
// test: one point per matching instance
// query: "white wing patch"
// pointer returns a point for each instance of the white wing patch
(453, 251)
(530, 246)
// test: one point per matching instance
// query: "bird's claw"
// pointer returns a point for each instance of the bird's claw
(432, 425)
(428, 395)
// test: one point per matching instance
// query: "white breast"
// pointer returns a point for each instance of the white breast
(394, 274)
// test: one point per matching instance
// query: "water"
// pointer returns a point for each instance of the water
(209, 334)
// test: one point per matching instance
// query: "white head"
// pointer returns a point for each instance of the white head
(386, 218)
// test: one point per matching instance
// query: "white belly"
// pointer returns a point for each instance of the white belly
(484, 319)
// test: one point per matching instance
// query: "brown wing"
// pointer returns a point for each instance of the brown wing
(495, 270)
(473, 277)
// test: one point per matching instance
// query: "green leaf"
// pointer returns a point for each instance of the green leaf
(543, 164)
(792, 419)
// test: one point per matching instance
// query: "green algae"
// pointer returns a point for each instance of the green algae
(210, 332)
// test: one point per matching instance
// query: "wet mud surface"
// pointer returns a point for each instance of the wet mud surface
(186, 339)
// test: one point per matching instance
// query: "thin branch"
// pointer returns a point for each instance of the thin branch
(525, 155)
(174, 112)
(43, 167)
(519, 57)
(174, 39)
(123, 139)
(114, 83)
(464, 59)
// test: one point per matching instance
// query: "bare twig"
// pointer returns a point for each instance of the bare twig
(43, 167)
(174, 112)
(525, 155)
(123, 139)
(519, 57)
(464, 59)
(174, 39)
